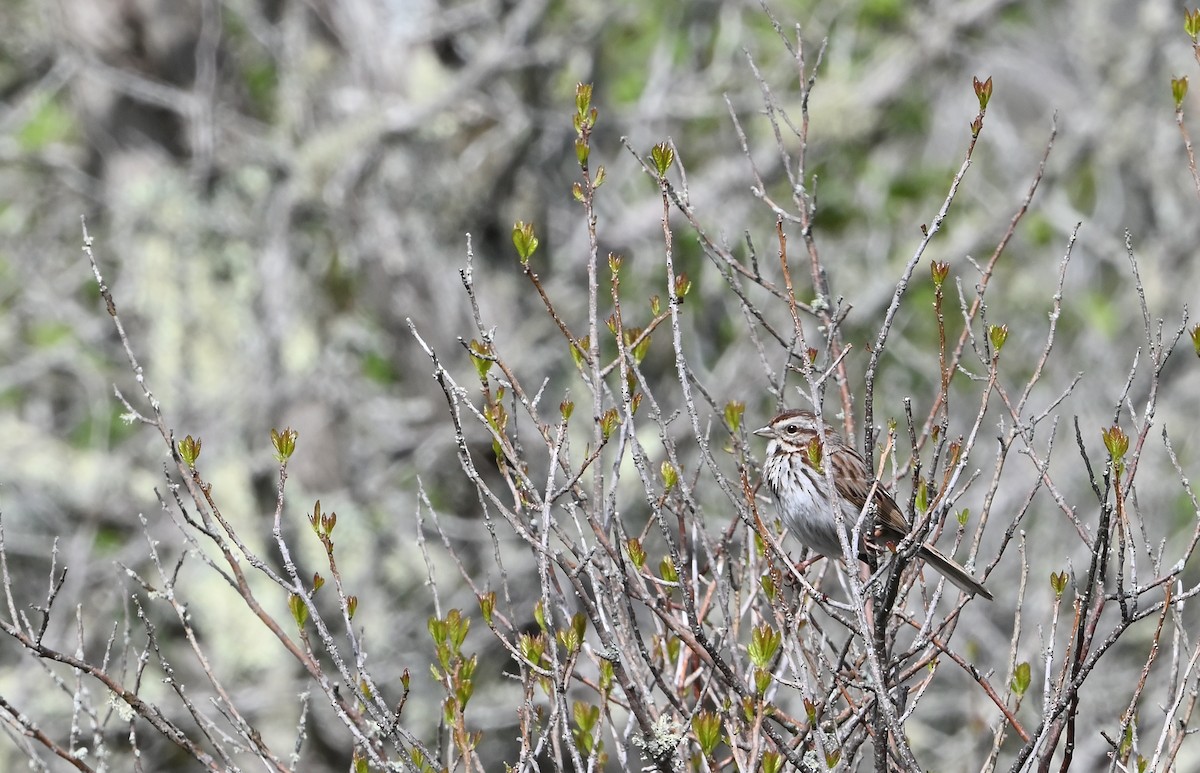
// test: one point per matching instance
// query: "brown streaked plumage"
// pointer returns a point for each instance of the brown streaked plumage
(806, 509)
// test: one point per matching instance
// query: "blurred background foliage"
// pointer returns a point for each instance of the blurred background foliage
(275, 186)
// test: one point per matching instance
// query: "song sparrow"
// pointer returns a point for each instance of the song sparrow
(794, 471)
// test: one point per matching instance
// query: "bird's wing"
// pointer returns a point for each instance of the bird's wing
(888, 514)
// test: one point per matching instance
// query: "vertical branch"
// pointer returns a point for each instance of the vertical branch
(928, 232)
(805, 205)
(1179, 87)
(585, 120)
(990, 267)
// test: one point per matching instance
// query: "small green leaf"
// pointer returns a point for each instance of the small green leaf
(762, 680)
(663, 157)
(525, 240)
(764, 643)
(609, 423)
(580, 349)
(666, 570)
(351, 606)
(1116, 442)
(532, 647)
(583, 98)
(569, 640)
(458, 627)
(317, 521)
(983, 91)
(606, 675)
(768, 585)
(437, 629)
(1058, 582)
(566, 408)
(772, 762)
(1021, 677)
(1191, 23)
(1195, 334)
(922, 500)
(734, 410)
(585, 716)
(939, 271)
(1179, 88)
(318, 581)
(637, 554)
(298, 609)
(683, 286)
(487, 605)
(189, 450)
(707, 727)
(585, 119)
(639, 347)
(749, 708)
(284, 442)
(997, 334)
(669, 475)
(963, 516)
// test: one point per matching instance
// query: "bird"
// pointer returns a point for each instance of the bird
(794, 471)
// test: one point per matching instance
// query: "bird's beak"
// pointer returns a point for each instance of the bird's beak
(764, 431)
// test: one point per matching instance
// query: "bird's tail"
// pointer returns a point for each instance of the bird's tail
(953, 572)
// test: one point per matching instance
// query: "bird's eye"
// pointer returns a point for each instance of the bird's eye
(792, 429)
